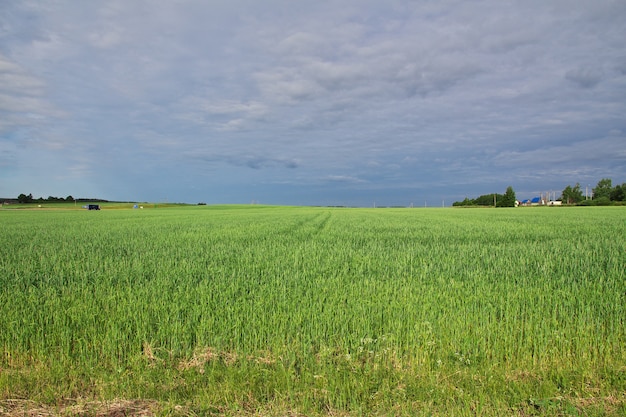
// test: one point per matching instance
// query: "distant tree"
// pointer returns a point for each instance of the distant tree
(618, 193)
(508, 200)
(484, 200)
(488, 199)
(587, 203)
(23, 198)
(572, 195)
(466, 202)
(603, 189)
(69, 198)
(602, 201)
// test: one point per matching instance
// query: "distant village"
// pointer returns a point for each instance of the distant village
(603, 194)
(542, 200)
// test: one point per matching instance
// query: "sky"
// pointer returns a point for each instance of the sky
(351, 102)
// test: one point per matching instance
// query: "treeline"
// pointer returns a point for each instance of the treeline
(490, 200)
(24, 199)
(603, 194)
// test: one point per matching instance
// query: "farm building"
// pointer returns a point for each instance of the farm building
(540, 201)
(537, 201)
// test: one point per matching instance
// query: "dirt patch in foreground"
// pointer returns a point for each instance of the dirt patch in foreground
(598, 406)
(26, 408)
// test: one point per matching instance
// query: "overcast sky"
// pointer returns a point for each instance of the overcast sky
(351, 102)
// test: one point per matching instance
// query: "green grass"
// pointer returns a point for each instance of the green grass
(268, 310)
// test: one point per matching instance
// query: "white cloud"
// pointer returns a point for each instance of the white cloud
(343, 178)
(23, 101)
(220, 114)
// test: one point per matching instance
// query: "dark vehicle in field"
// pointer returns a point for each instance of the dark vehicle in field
(93, 207)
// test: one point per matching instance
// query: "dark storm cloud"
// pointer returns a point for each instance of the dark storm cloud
(256, 162)
(584, 77)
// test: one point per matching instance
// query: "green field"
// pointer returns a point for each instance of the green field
(252, 310)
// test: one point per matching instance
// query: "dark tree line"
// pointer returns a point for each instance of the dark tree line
(507, 199)
(23, 198)
(604, 193)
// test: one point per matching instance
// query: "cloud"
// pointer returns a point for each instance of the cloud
(256, 162)
(15, 80)
(344, 179)
(369, 69)
(593, 151)
(7, 158)
(584, 77)
(219, 114)
(25, 109)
